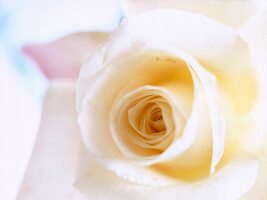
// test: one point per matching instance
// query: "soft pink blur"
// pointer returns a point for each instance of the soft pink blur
(62, 59)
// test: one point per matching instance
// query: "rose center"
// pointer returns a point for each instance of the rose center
(146, 118)
(143, 122)
(156, 122)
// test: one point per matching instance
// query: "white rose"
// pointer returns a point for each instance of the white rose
(172, 107)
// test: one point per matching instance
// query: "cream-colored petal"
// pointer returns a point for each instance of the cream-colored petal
(202, 79)
(216, 46)
(120, 127)
(230, 183)
(208, 82)
(258, 190)
(231, 13)
(254, 32)
(52, 167)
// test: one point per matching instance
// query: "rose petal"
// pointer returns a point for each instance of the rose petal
(230, 183)
(216, 47)
(254, 32)
(119, 122)
(231, 13)
(51, 170)
(258, 191)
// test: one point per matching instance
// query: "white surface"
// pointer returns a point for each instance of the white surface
(52, 167)
(43, 21)
(19, 121)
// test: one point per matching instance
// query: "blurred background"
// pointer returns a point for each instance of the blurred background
(43, 44)
(49, 39)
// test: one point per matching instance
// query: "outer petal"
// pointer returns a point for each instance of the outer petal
(19, 120)
(258, 191)
(51, 170)
(255, 32)
(231, 13)
(230, 183)
(216, 46)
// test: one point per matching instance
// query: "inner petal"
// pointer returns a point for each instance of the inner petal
(151, 129)
(147, 117)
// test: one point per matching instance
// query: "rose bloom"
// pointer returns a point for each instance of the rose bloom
(172, 106)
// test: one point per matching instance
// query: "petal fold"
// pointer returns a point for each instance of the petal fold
(230, 183)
